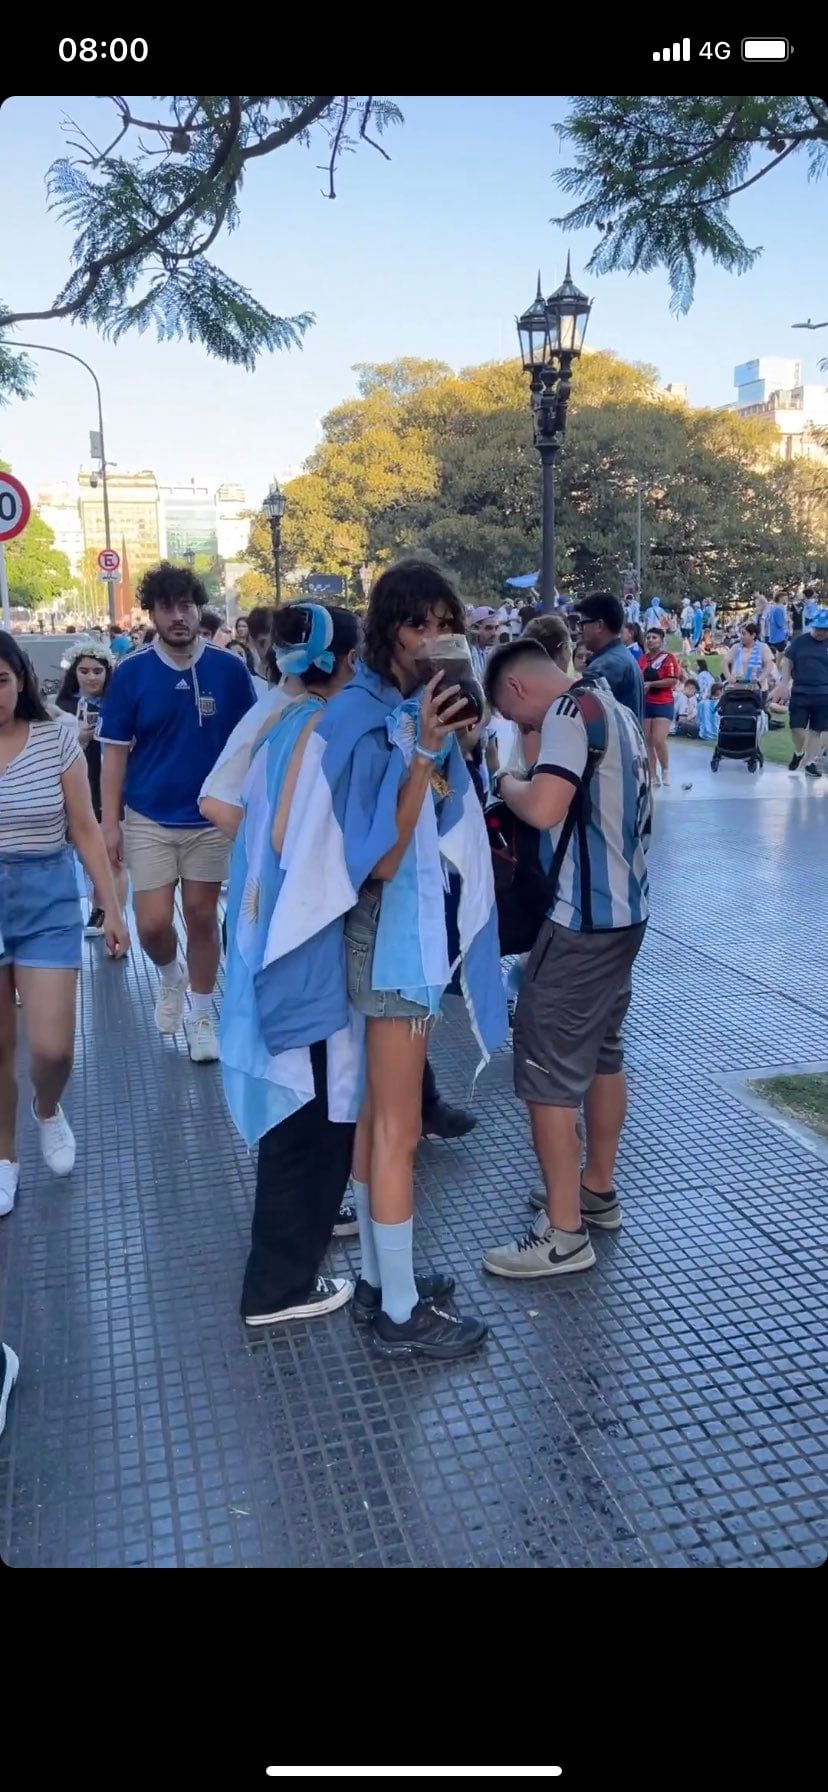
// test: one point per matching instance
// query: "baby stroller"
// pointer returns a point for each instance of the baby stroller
(741, 710)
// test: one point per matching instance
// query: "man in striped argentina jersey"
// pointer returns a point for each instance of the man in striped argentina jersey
(590, 791)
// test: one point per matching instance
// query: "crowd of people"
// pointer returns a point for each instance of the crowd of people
(476, 784)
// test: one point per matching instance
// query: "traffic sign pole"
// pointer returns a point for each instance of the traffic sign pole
(4, 589)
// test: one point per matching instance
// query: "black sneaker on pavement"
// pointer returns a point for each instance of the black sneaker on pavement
(435, 1285)
(9, 1371)
(795, 763)
(812, 770)
(603, 1211)
(346, 1224)
(429, 1332)
(95, 925)
(329, 1293)
(442, 1121)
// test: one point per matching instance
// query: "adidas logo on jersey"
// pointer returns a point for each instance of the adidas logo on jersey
(182, 685)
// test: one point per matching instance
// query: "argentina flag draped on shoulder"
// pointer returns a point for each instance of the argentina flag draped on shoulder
(263, 1086)
(343, 819)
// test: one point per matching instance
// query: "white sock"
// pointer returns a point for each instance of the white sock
(171, 973)
(201, 1007)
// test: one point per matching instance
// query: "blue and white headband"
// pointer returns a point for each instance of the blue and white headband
(316, 651)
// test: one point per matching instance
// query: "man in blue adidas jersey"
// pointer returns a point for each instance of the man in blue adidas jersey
(169, 713)
(589, 794)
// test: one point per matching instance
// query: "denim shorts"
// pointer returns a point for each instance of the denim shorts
(360, 939)
(40, 914)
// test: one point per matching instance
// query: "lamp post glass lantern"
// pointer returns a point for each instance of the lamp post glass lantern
(274, 507)
(551, 335)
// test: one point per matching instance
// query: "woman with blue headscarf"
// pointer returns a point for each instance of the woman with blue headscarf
(290, 1104)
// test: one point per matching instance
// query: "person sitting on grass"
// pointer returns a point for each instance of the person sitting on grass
(687, 705)
(704, 678)
(707, 713)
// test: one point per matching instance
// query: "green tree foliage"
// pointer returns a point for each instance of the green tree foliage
(37, 572)
(427, 459)
(655, 174)
(148, 202)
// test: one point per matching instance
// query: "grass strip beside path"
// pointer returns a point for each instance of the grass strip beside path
(803, 1098)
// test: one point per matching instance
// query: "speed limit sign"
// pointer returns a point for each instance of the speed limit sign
(15, 507)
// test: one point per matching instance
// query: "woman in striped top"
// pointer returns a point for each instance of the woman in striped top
(44, 794)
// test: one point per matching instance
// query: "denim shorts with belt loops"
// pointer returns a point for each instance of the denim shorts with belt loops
(360, 939)
(40, 915)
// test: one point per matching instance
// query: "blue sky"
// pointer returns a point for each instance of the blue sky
(429, 254)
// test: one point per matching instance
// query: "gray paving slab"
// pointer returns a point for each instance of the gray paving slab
(667, 1410)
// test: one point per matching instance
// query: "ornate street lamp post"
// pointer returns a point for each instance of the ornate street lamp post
(274, 507)
(551, 335)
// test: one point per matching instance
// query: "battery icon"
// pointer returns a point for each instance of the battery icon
(765, 49)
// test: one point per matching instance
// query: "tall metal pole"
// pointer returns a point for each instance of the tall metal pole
(47, 348)
(638, 545)
(548, 528)
(276, 540)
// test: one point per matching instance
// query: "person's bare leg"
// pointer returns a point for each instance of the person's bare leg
(200, 904)
(558, 1148)
(154, 919)
(396, 1056)
(48, 1003)
(651, 752)
(8, 1065)
(661, 732)
(362, 1145)
(813, 746)
(605, 1110)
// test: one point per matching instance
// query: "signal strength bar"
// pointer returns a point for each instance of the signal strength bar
(678, 53)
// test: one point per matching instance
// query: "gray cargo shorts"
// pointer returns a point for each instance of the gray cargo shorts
(572, 1004)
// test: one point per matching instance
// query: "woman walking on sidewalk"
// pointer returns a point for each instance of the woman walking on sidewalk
(44, 791)
(88, 678)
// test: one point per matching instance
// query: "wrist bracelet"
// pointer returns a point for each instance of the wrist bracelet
(424, 753)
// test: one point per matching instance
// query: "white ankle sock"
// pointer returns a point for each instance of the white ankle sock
(201, 1007)
(171, 974)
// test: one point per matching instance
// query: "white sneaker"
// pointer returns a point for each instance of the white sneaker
(9, 1178)
(202, 1041)
(169, 1006)
(57, 1142)
(9, 1371)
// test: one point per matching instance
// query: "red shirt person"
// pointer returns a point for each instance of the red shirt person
(661, 673)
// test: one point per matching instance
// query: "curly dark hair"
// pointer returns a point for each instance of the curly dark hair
(404, 593)
(168, 584)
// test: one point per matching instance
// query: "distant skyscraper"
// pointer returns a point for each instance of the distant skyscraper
(58, 506)
(188, 521)
(133, 515)
(771, 386)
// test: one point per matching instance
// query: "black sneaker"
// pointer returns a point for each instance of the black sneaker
(430, 1333)
(434, 1286)
(329, 1293)
(346, 1224)
(9, 1371)
(795, 763)
(442, 1121)
(812, 770)
(95, 925)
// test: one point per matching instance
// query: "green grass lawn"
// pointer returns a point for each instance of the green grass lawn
(803, 1098)
(777, 745)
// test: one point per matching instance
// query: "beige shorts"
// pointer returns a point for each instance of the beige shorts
(157, 856)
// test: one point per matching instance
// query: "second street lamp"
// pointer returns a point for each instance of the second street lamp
(551, 335)
(274, 508)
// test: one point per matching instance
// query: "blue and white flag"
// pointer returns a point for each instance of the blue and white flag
(263, 1087)
(343, 820)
